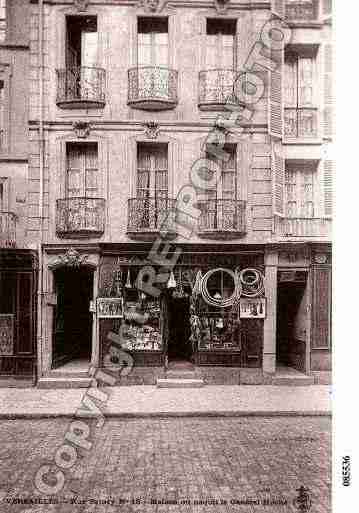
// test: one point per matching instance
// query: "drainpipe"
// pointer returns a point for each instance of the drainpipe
(41, 185)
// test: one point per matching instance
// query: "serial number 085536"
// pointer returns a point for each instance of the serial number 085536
(346, 470)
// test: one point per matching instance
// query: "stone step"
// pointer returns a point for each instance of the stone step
(62, 382)
(291, 381)
(180, 383)
(183, 374)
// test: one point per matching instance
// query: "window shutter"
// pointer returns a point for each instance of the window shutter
(278, 8)
(275, 110)
(326, 8)
(327, 90)
(278, 177)
(328, 188)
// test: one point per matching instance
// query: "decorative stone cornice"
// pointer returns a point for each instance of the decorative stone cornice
(82, 129)
(81, 5)
(221, 6)
(72, 258)
(151, 129)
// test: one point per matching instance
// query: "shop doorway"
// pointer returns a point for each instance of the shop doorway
(292, 320)
(179, 345)
(72, 327)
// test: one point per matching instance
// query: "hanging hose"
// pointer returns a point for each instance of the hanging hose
(252, 282)
(221, 303)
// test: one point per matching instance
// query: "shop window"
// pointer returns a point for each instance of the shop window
(220, 44)
(152, 42)
(82, 175)
(300, 104)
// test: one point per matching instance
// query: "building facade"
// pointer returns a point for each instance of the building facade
(131, 109)
(18, 253)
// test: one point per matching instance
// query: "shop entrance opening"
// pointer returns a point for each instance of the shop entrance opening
(72, 327)
(179, 345)
(292, 319)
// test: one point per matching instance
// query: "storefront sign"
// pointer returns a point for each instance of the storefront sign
(6, 334)
(252, 308)
(109, 307)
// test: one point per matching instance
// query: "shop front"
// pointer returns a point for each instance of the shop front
(209, 310)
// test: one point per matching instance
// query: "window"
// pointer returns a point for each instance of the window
(82, 41)
(82, 176)
(2, 115)
(299, 191)
(152, 43)
(226, 187)
(2, 199)
(152, 171)
(220, 44)
(2, 20)
(299, 96)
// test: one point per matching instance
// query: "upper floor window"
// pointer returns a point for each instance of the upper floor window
(227, 186)
(152, 171)
(152, 46)
(2, 20)
(299, 191)
(220, 44)
(82, 41)
(2, 115)
(301, 10)
(300, 104)
(82, 174)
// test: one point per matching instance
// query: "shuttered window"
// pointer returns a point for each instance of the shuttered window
(152, 42)
(152, 171)
(82, 170)
(278, 174)
(299, 191)
(328, 188)
(300, 106)
(327, 91)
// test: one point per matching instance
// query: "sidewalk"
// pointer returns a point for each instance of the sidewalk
(146, 401)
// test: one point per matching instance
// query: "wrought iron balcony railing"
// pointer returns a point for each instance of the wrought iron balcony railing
(301, 123)
(81, 87)
(222, 218)
(80, 217)
(7, 230)
(301, 10)
(303, 227)
(216, 88)
(148, 216)
(152, 88)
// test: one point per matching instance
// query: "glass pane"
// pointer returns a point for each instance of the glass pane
(89, 49)
(305, 90)
(290, 84)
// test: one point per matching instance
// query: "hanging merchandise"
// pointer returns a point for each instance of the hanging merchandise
(128, 280)
(252, 282)
(197, 284)
(171, 284)
(217, 300)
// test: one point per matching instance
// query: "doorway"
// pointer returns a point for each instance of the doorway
(292, 320)
(72, 333)
(179, 345)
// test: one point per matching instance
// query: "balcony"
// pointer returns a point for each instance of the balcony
(303, 227)
(306, 10)
(152, 88)
(148, 216)
(222, 219)
(81, 88)
(80, 217)
(216, 88)
(300, 123)
(7, 230)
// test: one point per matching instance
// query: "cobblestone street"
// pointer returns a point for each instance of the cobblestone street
(232, 460)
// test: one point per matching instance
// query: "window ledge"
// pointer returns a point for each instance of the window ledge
(300, 142)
